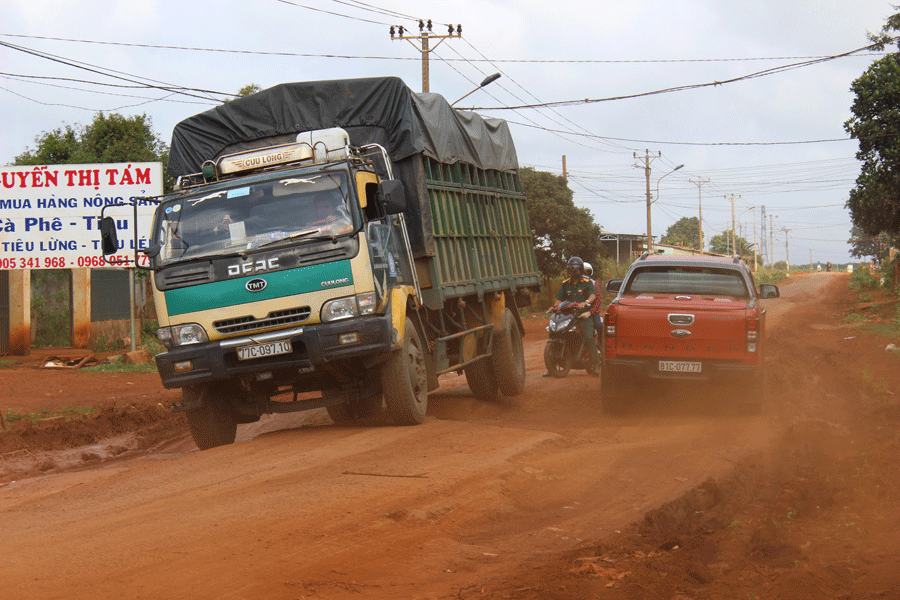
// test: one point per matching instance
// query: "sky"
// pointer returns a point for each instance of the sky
(775, 140)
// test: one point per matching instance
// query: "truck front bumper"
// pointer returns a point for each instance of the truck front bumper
(312, 345)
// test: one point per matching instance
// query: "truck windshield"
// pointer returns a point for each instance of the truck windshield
(251, 215)
(702, 281)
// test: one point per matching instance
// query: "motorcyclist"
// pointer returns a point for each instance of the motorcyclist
(596, 308)
(579, 289)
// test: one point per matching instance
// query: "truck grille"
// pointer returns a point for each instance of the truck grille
(290, 316)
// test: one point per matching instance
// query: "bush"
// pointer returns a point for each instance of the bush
(770, 276)
(862, 279)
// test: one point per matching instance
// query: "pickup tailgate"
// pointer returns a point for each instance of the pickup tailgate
(679, 327)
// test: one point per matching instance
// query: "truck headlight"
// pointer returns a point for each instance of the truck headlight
(350, 306)
(182, 335)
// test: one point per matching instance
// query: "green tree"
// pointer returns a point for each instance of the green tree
(250, 88)
(863, 245)
(109, 138)
(561, 229)
(874, 202)
(685, 231)
(721, 244)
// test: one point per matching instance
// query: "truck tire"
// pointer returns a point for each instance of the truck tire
(404, 380)
(364, 409)
(482, 381)
(213, 423)
(557, 364)
(508, 357)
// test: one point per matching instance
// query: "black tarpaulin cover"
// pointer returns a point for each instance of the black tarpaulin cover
(372, 110)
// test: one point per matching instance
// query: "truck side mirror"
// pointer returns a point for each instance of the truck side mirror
(614, 285)
(108, 237)
(392, 196)
(767, 290)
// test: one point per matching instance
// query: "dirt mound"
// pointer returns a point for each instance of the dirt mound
(29, 447)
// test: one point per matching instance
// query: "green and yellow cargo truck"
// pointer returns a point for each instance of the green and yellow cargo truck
(338, 244)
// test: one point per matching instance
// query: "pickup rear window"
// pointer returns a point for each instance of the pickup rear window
(702, 281)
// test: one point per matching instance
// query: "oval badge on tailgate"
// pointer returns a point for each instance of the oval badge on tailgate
(256, 285)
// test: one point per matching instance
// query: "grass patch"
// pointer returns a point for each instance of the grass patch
(66, 413)
(853, 318)
(7, 364)
(891, 329)
(117, 366)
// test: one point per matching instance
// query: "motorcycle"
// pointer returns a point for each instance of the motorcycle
(565, 350)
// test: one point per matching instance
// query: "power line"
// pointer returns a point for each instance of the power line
(681, 88)
(408, 17)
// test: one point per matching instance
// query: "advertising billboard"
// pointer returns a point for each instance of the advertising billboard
(50, 214)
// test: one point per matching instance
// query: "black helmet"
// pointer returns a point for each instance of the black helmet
(575, 268)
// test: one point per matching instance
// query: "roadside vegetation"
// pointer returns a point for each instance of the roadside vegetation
(65, 414)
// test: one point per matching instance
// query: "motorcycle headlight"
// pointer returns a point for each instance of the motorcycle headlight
(182, 335)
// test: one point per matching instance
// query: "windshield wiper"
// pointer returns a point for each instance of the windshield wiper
(293, 236)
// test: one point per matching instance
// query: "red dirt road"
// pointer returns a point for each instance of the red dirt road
(542, 496)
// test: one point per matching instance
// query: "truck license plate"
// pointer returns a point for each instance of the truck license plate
(680, 366)
(263, 350)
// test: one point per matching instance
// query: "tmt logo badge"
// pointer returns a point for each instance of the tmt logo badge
(256, 285)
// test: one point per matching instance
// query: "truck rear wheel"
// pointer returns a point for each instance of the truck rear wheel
(404, 380)
(482, 381)
(212, 423)
(508, 357)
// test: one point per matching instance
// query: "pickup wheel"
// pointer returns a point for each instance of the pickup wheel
(558, 364)
(755, 394)
(213, 423)
(508, 357)
(614, 396)
(482, 381)
(404, 380)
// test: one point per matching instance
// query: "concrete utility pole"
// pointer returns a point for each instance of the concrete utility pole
(699, 183)
(425, 36)
(772, 239)
(787, 251)
(733, 239)
(647, 159)
(565, 174)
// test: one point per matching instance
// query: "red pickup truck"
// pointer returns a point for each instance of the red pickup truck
(685, 319)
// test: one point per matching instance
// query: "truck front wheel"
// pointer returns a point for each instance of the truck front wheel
(404, 380)
(212, 423)
(508, 357)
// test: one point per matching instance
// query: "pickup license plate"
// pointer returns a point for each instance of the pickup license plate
(263, 350)
(680, 366)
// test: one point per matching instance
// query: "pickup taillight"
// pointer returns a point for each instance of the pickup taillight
(609, 325)
(752, 335)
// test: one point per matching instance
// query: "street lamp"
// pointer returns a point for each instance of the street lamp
(487, 80)
(649, 235)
